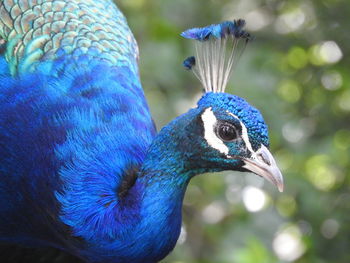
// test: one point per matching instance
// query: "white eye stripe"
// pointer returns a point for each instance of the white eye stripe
(209, 121)
(245, 136)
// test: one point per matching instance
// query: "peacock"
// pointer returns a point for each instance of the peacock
(82, 166)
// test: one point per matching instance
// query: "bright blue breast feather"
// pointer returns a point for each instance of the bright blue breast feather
(73, 119)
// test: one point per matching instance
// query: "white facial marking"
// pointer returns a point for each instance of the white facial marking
(244, 132)
(209, 121)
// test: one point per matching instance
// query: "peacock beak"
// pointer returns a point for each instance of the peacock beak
(263, 164)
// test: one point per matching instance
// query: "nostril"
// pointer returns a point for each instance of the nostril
(264, 158)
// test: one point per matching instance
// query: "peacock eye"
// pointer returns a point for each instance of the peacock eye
(226, 132)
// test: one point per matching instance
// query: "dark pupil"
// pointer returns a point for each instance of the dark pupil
(227, 133)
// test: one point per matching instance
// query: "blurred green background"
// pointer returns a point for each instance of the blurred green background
(297, 73)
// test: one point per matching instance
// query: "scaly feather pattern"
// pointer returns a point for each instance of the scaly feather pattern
(36, 29)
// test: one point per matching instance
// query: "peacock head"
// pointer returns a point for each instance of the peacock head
(229, 133)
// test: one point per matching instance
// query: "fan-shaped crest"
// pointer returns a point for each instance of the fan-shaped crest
(218, 48)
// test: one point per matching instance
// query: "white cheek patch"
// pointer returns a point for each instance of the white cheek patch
(209, 121)
(244, 133)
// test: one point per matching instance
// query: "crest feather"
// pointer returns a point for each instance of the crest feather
(218, 48)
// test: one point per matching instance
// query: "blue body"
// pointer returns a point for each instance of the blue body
(65, 144)
(81, 166)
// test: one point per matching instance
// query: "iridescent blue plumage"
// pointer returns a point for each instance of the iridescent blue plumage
(221, 30)
(189, 62)
(82, 167)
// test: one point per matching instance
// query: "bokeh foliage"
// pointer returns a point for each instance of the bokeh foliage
(297, 73)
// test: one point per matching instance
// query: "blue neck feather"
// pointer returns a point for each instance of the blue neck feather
(147, 217)
(149, 214)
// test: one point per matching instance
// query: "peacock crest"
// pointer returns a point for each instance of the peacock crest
(218, 48)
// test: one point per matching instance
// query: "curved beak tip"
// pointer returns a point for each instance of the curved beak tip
(280, 187)
(275, 176)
